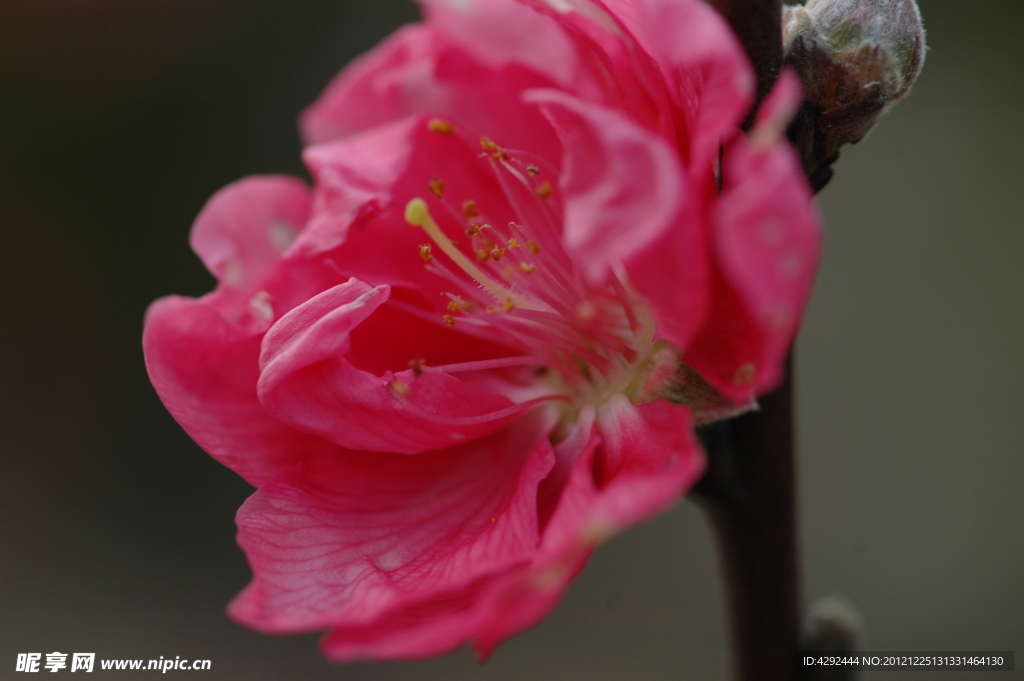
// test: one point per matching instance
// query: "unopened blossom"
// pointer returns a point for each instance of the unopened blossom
(537, 250)
(855, 58)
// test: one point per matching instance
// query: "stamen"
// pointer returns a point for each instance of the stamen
(425, 252)
(532, 169)
(544, 190)
(533, 246)
(526, 268)
(440, 126)
(469, 209)
(436, 187)
(417, 366)
(417, 213)
(449, 320)
(453, 306)
(485, 364)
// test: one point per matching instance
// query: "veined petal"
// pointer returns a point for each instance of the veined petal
(205, 370)
(355, 541)
(307, 381)
(637, 462)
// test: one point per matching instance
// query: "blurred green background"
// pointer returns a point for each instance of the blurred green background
(119, 118)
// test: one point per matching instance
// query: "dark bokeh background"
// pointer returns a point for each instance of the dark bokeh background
(119, 118)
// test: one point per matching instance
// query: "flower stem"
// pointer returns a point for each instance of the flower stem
(748, 494)
(758, 25)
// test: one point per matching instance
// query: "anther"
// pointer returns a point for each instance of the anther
(453, 307)
(545, 190)
(436, 187)
(744, 374)
(469, 209)
(449, 320)
(440, 126)
(526, 268)
(514, 243)
(417, 366)
(425, 252)
(482, 254)
(532, 169)
(474, 230)
(496, 253)
(509, 305)
(533, 246)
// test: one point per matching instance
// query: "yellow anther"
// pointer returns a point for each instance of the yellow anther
(482, 254)
(545, 190)
(417, 213)
(509, 305)
(469, 209)
(440, 126)
(436, 187)
(533, 246)
(453, 307)
(425, 252)
(514, 243)
(532, 169)
(496, 253)
(474, 230)
(745, 374)
(449, 320)
(401, 389)
(417, 366)
(526, 268)
(487, 144)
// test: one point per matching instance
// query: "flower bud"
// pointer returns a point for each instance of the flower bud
(855, 58)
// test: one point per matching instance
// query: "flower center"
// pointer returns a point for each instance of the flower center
(518, 280)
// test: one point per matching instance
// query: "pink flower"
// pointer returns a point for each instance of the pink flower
(458, 364)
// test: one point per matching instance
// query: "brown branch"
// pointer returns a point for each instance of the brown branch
(749, 496)
(749, 490)
(758, 24)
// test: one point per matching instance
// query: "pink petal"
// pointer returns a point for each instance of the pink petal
(709, 77)
(205, 370)
(243, 230)
(767, 244)
(422, 69)
(307, 381)
(389, 83)
(356, 541)
(627, 203)
(503, 32)
(637, 462)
